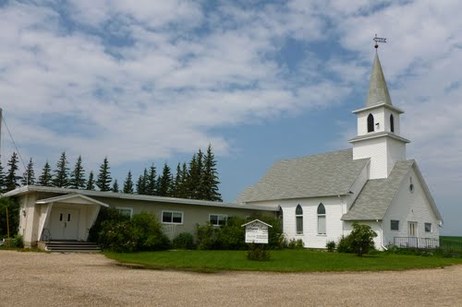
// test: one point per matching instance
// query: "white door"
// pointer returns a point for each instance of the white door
(64, 224)
(413, 240)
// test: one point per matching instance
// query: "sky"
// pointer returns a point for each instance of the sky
(143, 82)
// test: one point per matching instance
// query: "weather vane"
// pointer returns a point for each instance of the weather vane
(378, 40)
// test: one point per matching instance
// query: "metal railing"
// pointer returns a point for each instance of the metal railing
(416, 242)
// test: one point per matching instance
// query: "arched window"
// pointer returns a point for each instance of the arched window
(321, 219)
(280, 216)
(299, 219)
(370, 123)
(392, 123)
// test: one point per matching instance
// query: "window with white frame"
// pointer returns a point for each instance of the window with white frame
(172, 217)
(428, 227)
(128, 212)
(394, 225)
(218, 219)
(321, 219)
(299, 219)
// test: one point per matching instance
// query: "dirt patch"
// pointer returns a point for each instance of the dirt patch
(41, 279)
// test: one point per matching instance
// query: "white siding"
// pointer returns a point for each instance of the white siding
(335, 207)
(410, 207)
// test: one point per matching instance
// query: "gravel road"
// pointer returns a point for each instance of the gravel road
(42, 279)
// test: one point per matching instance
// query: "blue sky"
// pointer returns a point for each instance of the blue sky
(153, 81)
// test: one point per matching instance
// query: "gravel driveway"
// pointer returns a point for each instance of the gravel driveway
(41, 279)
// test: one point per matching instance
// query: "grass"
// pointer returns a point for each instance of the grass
(449, 241)
(281, 261)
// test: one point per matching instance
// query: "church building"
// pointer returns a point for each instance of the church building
(319, 197)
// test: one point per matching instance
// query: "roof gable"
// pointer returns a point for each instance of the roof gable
(320, 175)
(377, 195)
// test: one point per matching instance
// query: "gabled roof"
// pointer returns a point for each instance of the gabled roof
(377, 195)
(328, 174)
(70, 198)
(378, 90)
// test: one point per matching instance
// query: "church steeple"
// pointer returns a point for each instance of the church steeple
(378, 123)
(378, 90)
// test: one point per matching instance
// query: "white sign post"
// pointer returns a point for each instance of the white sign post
(256, 231)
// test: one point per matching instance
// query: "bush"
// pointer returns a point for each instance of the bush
(105, 215)
(184, 240)
(330, 246)
(359, 241)
(295, 244)
(258, 252)
(142, 233)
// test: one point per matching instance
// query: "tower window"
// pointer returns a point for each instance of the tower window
(392, 123)
(370, 123)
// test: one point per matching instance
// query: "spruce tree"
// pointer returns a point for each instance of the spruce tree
(209, 180)
(78, 175)
(45, 179)
(194, 179)
(142, 183)
(165, 182)
(11, 180)
(151, 181)
(115, 186)
(28, 177)
(2, 178)
(128, 184)
(103, 182)
(90, 182)
(61, 173)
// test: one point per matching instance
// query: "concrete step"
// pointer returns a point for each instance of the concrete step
(72, 246)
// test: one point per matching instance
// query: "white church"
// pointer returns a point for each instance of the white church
(317, 197)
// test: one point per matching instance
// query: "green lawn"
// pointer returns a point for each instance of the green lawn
(448, 241)
(281, 261)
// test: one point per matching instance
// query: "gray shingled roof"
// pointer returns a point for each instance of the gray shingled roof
(326, 174)
(377, 194)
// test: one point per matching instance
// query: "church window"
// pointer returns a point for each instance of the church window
(428, 227)
(370, 123)
(299, 219)
(321, 219)
(392, 123)
(394, 225)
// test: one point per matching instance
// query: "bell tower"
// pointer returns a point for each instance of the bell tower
(378, 128)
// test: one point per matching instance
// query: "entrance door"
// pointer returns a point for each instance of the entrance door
(64, 224)
(413, 240)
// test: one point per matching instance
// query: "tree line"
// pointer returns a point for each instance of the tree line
(197, 179)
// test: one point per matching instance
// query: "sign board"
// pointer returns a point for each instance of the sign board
(256, 231)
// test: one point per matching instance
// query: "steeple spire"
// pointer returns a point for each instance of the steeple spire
(378, 90)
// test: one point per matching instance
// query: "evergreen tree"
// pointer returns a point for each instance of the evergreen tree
(142, 183)
(61, 176)
(45, 179)
(11, 180)
(209, 178)
(78, 175)
(128, 184)
(28, 177)
(103, 182)
(115, 186)
(165, 182)
(180, 183)
(151, 181)
(2, 178)
(90, 182)
(194, 179)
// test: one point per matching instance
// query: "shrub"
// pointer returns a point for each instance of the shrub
(142, 233)
(207, 236)
(295, 244)
(105, 215)
(359, 241)
(330, 246)
(184, 240)
(258, 252)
